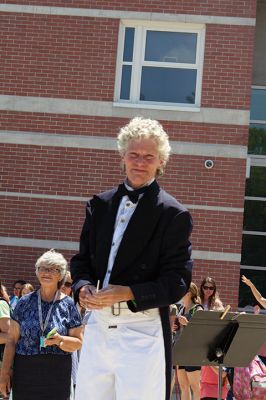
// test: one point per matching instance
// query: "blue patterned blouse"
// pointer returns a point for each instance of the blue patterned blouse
(64, 316)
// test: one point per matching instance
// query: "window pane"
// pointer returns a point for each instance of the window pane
(173, 47)
(255, 216)
(257, 140)
(129, 44)
(168, 85)
(259, 279)
(258, 104)
(259, 126)
(253, 250)
(125, 82)
(256, 184)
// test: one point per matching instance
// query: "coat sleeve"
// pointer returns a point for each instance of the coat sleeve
(80, 264)
(174, 268)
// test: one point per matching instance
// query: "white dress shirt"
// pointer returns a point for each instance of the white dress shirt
(125, 211)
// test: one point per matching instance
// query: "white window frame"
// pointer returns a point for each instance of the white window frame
(141, 27)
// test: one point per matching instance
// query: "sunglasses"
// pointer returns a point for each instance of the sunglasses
(68, 284)
(208, 287)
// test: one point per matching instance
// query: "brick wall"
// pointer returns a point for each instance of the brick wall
(105, 126)
(74, 57)
(227, 66)
(71, 57)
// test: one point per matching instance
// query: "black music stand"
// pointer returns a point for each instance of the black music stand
(209, 340)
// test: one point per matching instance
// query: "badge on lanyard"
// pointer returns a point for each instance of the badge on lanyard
(43, 325)
(42, 344)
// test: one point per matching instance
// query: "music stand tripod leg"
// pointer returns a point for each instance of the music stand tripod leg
(220, 381)
(220, 355)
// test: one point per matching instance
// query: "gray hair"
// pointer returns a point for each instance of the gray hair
(55, 259)
(143, 128)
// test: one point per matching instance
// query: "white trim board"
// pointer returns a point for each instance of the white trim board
(64, 245)
(254, 233)
(120, 14)
(44, 196)
(109, 143)
(38, 243)
(253, 267)
(216, 256)
(108, 109)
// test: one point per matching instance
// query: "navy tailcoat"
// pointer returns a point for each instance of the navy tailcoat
(154, 257)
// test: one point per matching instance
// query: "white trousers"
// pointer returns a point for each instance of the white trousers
(122, 358)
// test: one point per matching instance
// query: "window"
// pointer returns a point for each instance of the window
(253, 262)
(258, 104)
(159, 65)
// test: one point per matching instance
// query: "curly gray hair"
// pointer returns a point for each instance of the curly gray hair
(55, 259)
(144, 128)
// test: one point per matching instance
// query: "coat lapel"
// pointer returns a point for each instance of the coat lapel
(104, 222)
(139, 229)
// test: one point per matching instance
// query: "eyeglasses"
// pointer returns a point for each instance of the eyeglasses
(67, 284)
(208, 287)
(53, 271)
(17, 288)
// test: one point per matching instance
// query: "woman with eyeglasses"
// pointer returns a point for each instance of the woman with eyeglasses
(41, 359)
(209, 296)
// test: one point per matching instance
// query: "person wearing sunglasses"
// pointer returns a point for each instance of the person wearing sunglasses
(45, 329)
(209, 296)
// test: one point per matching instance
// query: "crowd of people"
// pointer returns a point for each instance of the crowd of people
(29, 326)
(24, 330)
(104, 327)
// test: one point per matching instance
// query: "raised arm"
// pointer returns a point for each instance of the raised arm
(255, 291)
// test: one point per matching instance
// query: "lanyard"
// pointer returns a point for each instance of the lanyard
(43, 326)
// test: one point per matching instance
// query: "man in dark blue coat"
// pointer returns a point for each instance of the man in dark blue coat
(134, 261)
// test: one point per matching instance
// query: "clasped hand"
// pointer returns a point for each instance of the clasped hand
(53, 340)
(91, 299)
(182, 320)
